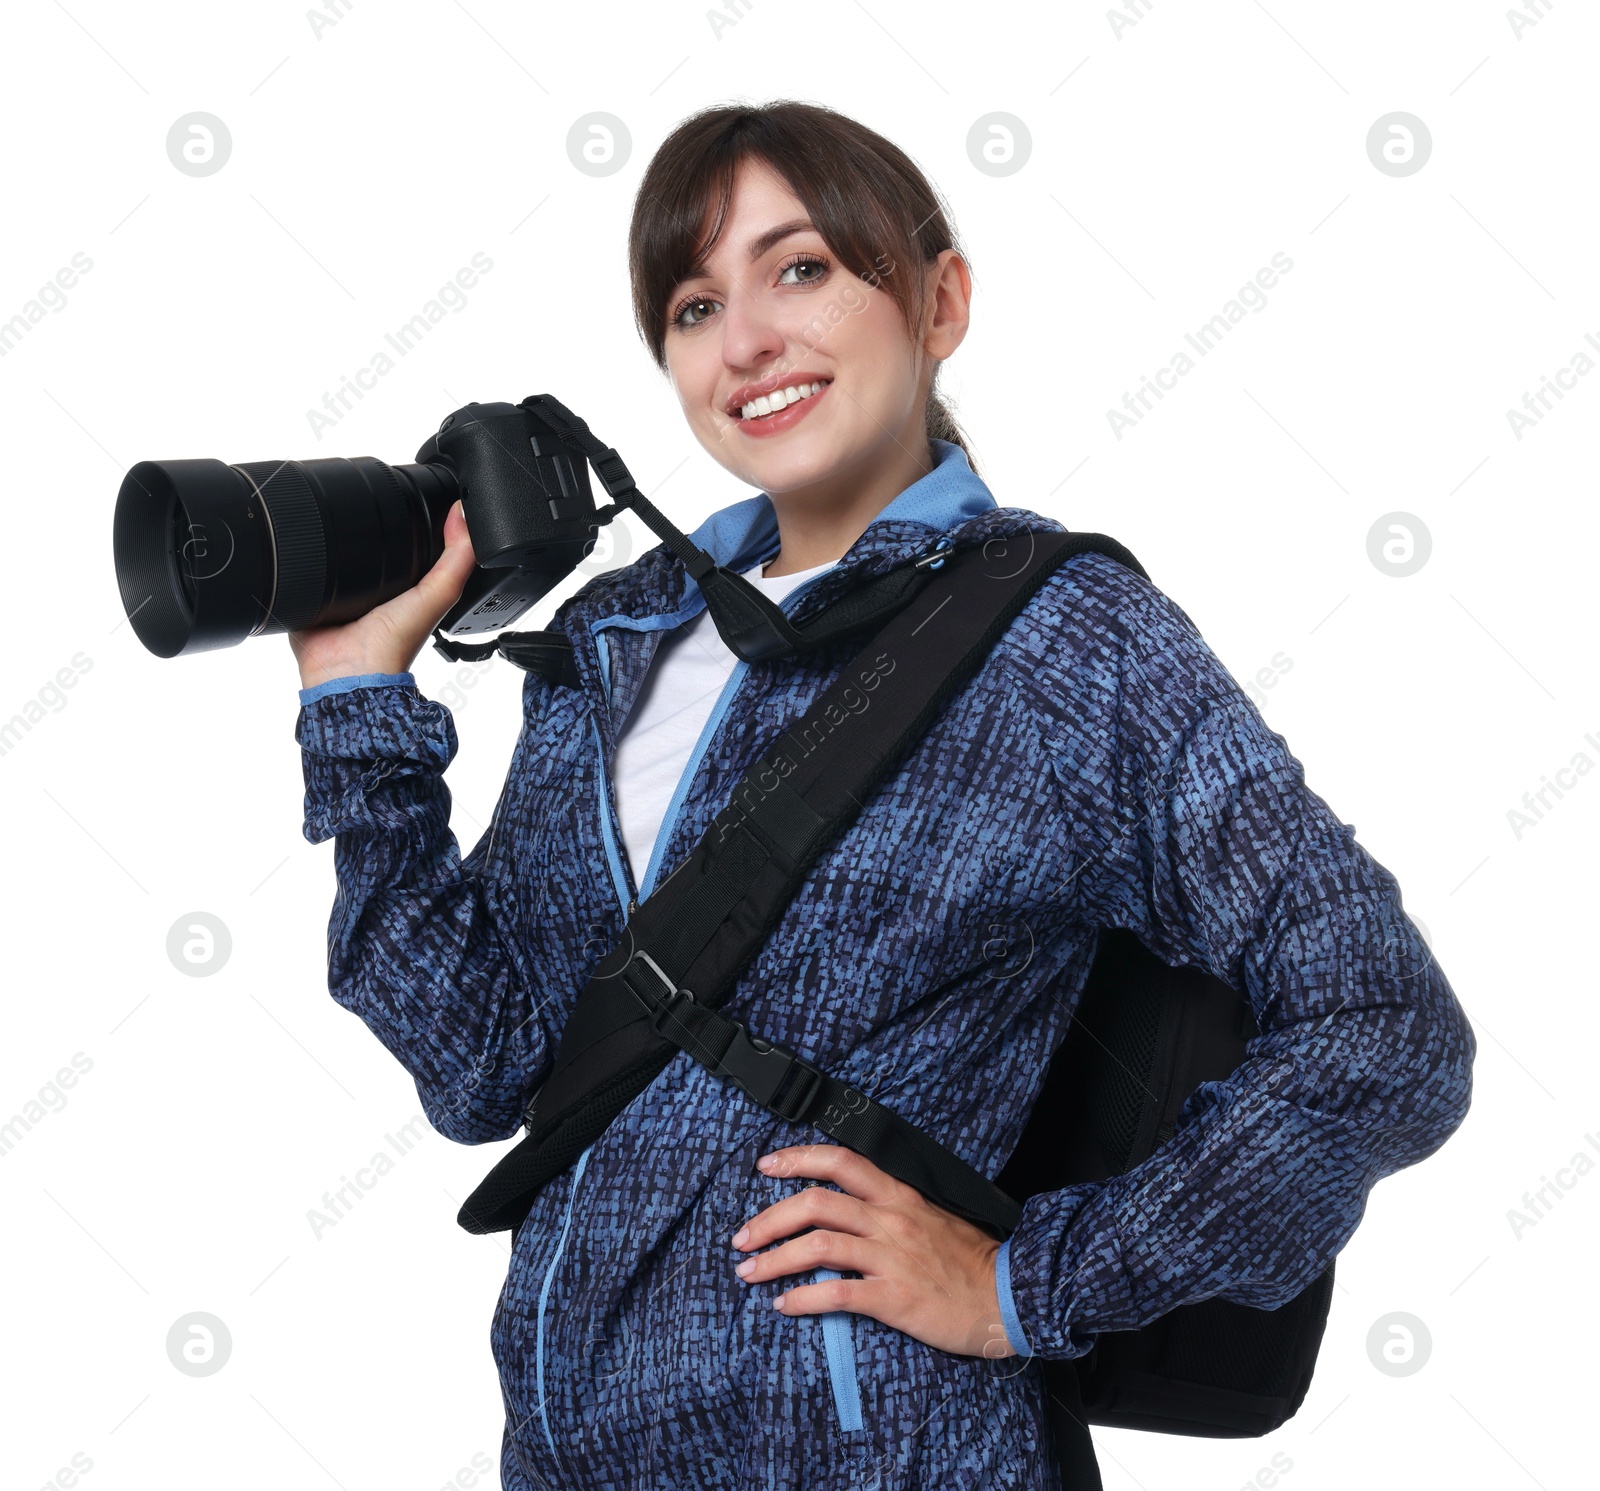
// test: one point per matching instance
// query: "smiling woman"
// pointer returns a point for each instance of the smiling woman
(699, 1293)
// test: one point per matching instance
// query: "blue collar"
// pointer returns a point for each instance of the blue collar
(746, 532)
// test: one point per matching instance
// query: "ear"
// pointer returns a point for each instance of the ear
(948, 310)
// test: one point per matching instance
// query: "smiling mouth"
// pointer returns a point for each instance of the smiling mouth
(781, 399)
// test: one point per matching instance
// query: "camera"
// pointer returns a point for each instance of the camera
(208, 554)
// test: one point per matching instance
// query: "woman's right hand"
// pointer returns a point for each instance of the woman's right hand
(389, 637)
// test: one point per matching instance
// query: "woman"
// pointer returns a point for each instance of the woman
(676, 1311)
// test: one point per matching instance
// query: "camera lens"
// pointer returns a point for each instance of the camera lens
(208, 554)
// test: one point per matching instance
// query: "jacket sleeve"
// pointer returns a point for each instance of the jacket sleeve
(422, 945)
(1194, 829)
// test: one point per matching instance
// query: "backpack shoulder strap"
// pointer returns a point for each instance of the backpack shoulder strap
(658, 991)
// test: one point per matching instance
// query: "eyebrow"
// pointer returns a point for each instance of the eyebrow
(760, 244)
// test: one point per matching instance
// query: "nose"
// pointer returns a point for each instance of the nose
(751, 330)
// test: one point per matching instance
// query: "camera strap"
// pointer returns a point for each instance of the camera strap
(659, 990)
(752, 625)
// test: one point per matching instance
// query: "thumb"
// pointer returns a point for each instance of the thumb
(442, 585)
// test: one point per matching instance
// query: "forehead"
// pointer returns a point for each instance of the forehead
(759, 201)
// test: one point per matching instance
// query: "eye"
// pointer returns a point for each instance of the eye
(803, 262)
(701, 304)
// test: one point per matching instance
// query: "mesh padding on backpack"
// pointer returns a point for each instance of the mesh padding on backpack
(1247, 1352)
(1128, 1028)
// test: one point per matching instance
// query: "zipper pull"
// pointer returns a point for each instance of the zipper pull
(632, 907)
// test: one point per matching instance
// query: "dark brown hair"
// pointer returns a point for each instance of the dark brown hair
(866, 197)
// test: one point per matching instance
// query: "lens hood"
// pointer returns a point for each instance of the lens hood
(194, 556)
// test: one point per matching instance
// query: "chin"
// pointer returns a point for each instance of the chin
(799, 458)
(785, 471)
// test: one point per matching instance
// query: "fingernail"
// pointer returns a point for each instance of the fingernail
(743, 1269)
(777, 1304)
(766, 1162)
(741, 1237)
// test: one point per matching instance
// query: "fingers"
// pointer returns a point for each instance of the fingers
(813, 1207)
(845, 1251)
(388, 637)
(922, 1270)
(861, 1296)
(854, 1172)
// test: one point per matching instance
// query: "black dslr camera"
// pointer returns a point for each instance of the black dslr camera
(208, 554)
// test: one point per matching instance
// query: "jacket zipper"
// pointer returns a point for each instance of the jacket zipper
(839, 1343)
(837, 1332)
(544, 1294)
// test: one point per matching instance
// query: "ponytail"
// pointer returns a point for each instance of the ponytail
(943, 425)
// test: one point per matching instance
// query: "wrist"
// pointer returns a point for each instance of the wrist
(992, 1343)
(313, 675)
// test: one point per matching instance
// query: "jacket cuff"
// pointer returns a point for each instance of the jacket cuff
(1063, 1281)
(354, 681)
(373, 760)
(1015, 1334)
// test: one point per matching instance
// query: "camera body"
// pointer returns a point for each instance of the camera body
(529, 507)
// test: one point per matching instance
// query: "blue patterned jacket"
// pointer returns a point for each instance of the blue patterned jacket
(1102, 769)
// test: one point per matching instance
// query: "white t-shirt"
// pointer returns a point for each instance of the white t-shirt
(690, 666)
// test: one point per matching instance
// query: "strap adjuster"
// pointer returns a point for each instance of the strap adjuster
(794, 1100)
(664, 1001)
(668, 1010)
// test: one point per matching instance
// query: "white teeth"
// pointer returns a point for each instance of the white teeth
(770, 403)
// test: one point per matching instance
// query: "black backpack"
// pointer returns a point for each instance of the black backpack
(1144, 1035)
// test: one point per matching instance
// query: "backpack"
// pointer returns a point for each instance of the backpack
(1144, 1035)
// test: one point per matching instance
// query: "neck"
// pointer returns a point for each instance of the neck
(818, 523)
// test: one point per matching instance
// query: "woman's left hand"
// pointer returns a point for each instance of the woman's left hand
(923, 1270)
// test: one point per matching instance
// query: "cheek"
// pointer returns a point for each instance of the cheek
(694, 382)
(872, 342)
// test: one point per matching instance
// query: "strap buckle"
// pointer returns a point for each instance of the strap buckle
(782, 1082)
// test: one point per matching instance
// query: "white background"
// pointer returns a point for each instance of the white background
(1170, 160)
